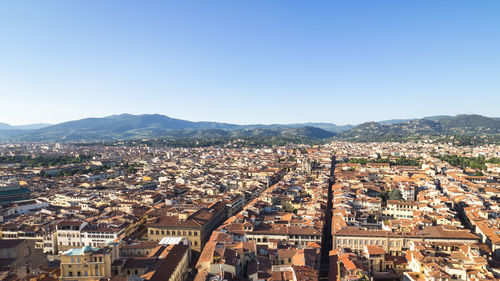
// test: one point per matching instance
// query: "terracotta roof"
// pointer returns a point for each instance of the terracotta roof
(374, 250)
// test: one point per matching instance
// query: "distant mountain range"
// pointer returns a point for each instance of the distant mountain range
(5, 126)
(127, 126)
(460, 125)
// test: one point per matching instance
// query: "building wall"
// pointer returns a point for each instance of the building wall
(26, 256)
(181, 270)
(156, 233)
(299, 240)
(95, 239)
(404, 211)
(88, 266)
(393, 245)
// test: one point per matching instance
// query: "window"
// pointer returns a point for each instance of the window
(71, 273)
(151, 232)
(78, 273)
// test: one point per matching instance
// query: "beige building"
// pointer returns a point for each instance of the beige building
(87, 263)
(395, 242)
(400, 209)
(196, 227)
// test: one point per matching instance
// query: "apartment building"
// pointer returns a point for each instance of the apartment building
(69, 234)
(196, 227)
(400, 209)
(396, 242)
(88, 263)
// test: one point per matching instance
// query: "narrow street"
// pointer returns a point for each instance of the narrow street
(326, 240)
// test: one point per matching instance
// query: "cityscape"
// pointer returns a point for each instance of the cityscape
(279, 140)
(143, 210)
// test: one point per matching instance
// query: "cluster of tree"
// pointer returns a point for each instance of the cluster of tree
(393, 194)
(130, 168)
(402, 161)
(458, 140)
(44, 161)
(76, 171)
(468, 140)
(236, 142)
(285, 205)
(472, 162)
(462, 140)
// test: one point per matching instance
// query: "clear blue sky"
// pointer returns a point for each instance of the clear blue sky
(261, 61)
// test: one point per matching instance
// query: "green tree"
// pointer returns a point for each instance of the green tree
(287, 207)
(395, 194)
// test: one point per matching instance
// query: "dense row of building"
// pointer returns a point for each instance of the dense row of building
(413, 222)
(124, 206)
(139, 212)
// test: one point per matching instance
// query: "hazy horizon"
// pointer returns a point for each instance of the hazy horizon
(254, 123)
